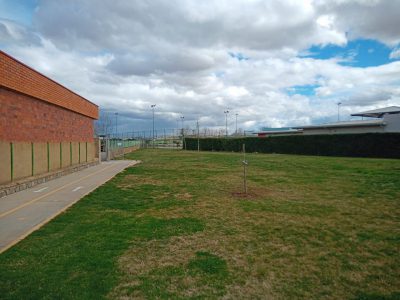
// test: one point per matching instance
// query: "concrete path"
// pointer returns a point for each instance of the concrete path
(26, 211)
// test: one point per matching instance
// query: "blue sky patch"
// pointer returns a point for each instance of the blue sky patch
(357, 53)
(239, 56)
(219, 74)
(306, 90)
(18, 10)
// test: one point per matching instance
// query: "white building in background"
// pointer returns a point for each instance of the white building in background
(390, 116)
(378, 120)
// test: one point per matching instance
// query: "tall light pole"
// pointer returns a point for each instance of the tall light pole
(338, 110)
(236, 124)
(116, 130)
(116, 125)
(226, 112)
(182, 119)
(152, 107)
(183, 133)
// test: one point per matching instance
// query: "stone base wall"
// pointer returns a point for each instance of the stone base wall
(35, 180)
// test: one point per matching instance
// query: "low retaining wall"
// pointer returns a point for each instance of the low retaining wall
(29, 182)
(19, 160)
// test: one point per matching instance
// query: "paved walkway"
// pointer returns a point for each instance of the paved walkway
(26, 211)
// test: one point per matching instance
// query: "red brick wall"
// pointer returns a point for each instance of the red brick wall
(19, 77)
(24, 118)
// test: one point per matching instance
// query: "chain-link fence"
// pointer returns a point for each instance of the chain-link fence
(120, 143)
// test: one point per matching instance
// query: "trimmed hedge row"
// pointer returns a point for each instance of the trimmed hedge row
(383, 145)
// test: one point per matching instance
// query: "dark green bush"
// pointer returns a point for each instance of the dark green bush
(383, 145)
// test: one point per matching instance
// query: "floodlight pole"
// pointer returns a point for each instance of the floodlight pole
(152, 107)
(116, 130)
(183, 134)
(226, 112)
(236, 115)
(116, 125)
(338, 111)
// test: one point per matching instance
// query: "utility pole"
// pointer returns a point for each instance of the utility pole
(338, 111)
(152, 107)
(226, 112)
(116, 131)
(116, 125)
(183, 133)
(236, 124)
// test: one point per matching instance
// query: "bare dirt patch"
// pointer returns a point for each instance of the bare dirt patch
(184, 196)
(254, 192)
(243, 195)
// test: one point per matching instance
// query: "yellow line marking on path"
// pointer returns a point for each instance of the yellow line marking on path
(36, 227)
(50, 193)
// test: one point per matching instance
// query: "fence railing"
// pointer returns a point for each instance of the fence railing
(123, 142)
(170, 133)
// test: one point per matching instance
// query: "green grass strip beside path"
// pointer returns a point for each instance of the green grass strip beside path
(178, 226)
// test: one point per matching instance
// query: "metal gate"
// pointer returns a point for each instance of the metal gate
(104, 149)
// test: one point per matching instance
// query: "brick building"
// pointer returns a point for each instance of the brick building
(43, 125)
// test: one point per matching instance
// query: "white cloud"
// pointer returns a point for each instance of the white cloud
(128, 55)
(16, 33)
(374, 19)
(395, 54)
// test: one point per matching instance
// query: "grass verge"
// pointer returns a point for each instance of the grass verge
(178, 226)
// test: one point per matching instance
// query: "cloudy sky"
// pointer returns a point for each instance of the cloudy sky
(274, 63)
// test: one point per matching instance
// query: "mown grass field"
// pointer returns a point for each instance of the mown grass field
(177, 226)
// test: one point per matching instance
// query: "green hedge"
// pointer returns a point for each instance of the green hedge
(384, 145)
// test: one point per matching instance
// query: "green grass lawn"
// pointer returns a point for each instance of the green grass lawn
(178, 226)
